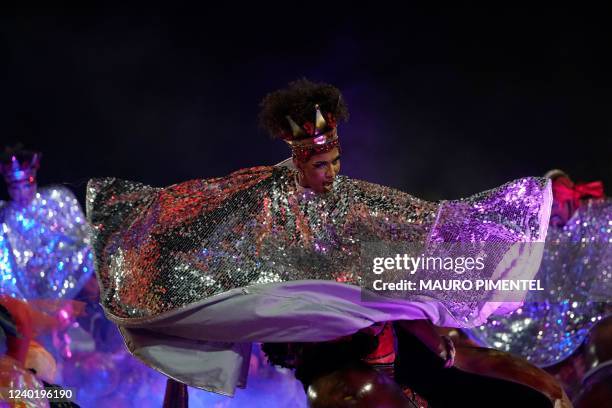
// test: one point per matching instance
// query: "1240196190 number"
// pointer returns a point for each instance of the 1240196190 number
(50, 394)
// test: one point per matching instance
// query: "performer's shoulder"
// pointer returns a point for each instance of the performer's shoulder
(56, 192)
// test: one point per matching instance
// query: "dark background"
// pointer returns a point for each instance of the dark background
(443, 102)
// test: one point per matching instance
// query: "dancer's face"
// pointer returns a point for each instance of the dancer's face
(22, 192)
(319, 172)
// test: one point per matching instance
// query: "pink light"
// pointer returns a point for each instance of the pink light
(319, 140)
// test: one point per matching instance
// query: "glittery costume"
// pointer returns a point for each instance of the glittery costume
(194, 272)
(44, 246)
(8, 276)
(577, 269)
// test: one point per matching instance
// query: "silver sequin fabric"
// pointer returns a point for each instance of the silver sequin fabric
(577, 269)
(44, 246)
(160, 249)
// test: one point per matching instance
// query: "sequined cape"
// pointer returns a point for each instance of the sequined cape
(211, 265)
(44, 246)
(577, 269)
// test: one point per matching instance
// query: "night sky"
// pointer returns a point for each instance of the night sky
(444, 103)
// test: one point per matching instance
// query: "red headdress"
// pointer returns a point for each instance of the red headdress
(565, 190)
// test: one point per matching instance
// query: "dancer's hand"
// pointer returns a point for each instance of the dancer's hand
(425, 331)
(449, 352)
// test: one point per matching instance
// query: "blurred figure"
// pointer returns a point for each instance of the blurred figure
(45, 234)
(576, 271)
(568, 196)
(46, 259)
(44, 246)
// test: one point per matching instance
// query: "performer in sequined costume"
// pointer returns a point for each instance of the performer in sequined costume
(44, 243)
(195, 272)
(8, 275)
(46, 260)
(577, 269)
(44, 247)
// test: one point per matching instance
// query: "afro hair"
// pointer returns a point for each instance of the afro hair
(298, 100)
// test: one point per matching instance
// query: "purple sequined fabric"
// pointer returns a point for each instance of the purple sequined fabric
(160, 249)
(577, 269)
(44, 247)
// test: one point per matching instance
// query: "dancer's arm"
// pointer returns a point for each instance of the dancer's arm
(425, 331)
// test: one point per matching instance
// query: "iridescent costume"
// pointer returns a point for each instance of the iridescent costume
(44, 246)
(8, 276)
(46, 260)
(577, 269)
(195, 272)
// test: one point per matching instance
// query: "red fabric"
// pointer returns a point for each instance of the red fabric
(385, 352)
(565, 190)
(31, 321)
(17, 347)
